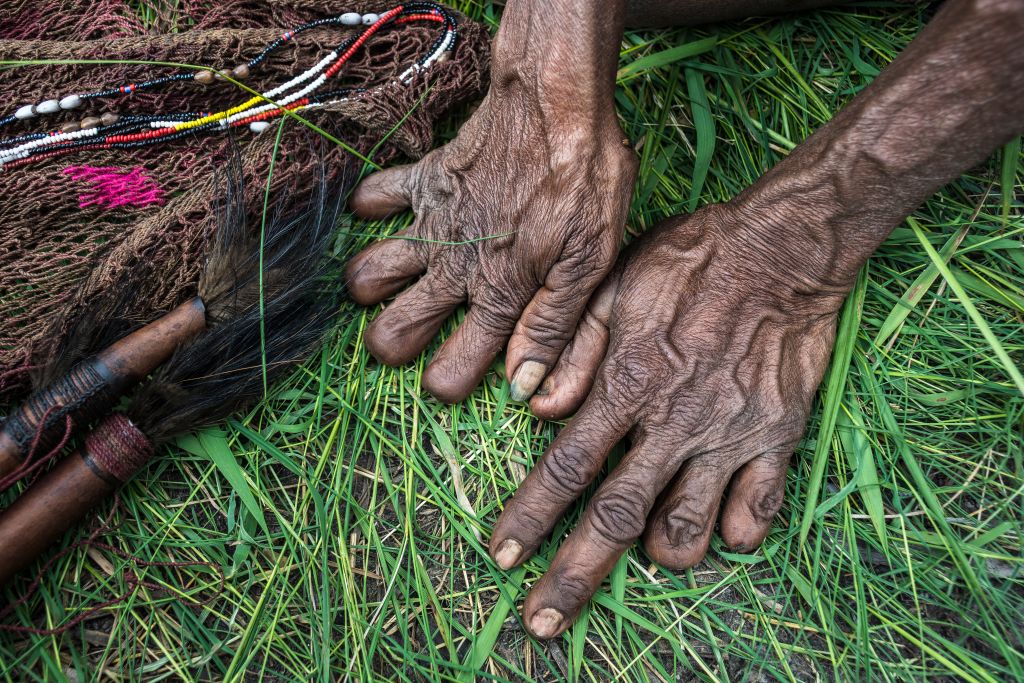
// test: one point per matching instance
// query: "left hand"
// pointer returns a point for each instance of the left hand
(714, 351)
(521, 215)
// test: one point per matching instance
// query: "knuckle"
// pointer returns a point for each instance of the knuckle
(588, 256)
(448, 267)
(573, 586)
(772, 434)
(496, 316)
(530, 517)
(547, 327)
(619, 516)
(766, 501)
(566, 470)
(684, 524)
(429, 184)
(784, 420)
(628, 373)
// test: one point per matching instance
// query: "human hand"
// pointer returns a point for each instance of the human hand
(715, 348)
(718, 326)
(521, 215)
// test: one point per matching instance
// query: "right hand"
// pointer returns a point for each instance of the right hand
(704, 348)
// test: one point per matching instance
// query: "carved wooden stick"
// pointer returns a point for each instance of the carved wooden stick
(93, 386)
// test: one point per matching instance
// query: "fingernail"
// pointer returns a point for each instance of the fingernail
(545, 388)
(546, 622)
(526, 379)
(508, 553)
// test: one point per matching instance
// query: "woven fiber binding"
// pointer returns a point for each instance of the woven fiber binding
(84, 393)
(117, 448)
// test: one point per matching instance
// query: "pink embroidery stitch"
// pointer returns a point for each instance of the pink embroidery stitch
(114, 187)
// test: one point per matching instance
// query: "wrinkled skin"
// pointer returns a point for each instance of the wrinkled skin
(711, 360)
(706, 344)
(520, 217)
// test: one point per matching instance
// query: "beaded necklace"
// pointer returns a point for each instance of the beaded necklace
(305, 91)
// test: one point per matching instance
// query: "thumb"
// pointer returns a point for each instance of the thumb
(548, 323)
(384, 193)
(568, 385)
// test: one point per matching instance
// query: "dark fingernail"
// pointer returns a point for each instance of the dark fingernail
(545, 388)
(526, 380)
(508, 553)
(546, 623)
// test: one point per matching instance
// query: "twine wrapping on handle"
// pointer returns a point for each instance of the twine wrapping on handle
(117, 449)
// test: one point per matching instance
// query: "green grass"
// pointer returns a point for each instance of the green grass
(350, 510)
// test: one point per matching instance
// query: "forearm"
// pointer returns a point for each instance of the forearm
(564, 51)
(941, 107)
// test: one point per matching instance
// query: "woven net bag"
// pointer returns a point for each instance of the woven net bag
(73, 225)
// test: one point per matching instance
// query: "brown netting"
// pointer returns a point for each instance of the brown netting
(58, 249)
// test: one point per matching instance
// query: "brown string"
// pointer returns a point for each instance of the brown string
(6, 377)
(27, 466)
(130, 577)
(18, 374)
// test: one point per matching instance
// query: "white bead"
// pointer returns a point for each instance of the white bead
(25, 112)
(259, 126)
(370, 19)
(70, 102)
(351, 19)
(48, 107)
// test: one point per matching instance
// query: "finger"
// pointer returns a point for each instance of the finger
(679, 531)
(755, 497)
(547, 324)
(405, 327)
(612, 522)
(384, 193)
(572, 461)
(570, 381)
(466, 356)
(383, 269)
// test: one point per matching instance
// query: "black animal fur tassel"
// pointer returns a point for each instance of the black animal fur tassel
(222, 370)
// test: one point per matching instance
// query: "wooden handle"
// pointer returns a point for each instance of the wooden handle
(94, 386)
(62, 497)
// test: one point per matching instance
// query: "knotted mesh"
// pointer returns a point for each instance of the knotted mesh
(74, 224)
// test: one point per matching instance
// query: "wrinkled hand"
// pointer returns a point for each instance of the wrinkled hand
(521, 216)
(715, 348)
